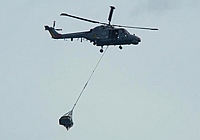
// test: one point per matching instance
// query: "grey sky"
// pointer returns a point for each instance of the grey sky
(150, 91)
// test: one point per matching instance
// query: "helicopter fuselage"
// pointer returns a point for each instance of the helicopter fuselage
(100, 36)
(108, 35)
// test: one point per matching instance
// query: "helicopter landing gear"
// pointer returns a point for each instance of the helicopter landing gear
(101, 50)
(120, 47)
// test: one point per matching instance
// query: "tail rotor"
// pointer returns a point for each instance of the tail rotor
(54, 24)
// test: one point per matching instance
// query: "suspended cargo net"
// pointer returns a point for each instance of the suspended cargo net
(66, 119)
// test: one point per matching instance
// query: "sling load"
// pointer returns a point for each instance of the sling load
(66, 119)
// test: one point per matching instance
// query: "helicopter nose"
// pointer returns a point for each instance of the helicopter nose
(136, 40)
(139, 40)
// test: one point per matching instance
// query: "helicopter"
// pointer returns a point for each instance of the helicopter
(104, 34)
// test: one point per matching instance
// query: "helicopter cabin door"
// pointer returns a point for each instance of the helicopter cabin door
(114, 34)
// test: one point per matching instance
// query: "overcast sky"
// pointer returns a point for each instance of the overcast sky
(146, 92)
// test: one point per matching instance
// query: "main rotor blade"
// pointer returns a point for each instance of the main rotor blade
(58, 29)
(136, 27)
(80, 18)
(111, 13)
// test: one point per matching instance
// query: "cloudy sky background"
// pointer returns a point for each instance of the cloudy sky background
(150, 91)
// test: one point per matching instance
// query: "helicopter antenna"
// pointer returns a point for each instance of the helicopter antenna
(110, 14)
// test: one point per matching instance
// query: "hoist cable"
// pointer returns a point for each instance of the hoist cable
(89, 79)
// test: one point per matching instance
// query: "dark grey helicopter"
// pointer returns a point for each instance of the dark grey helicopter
(105, 34)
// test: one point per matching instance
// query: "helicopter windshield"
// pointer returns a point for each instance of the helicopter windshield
(125, 31)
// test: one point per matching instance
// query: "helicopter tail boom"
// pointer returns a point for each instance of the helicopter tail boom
(56, 35)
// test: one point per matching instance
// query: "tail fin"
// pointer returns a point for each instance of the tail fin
(52, 31)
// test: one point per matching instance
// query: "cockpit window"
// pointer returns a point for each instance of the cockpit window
(125, 31)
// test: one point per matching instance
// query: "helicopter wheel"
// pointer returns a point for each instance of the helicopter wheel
(101, 50)
(120, 47)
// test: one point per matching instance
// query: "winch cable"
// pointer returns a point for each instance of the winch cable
(88, 81)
